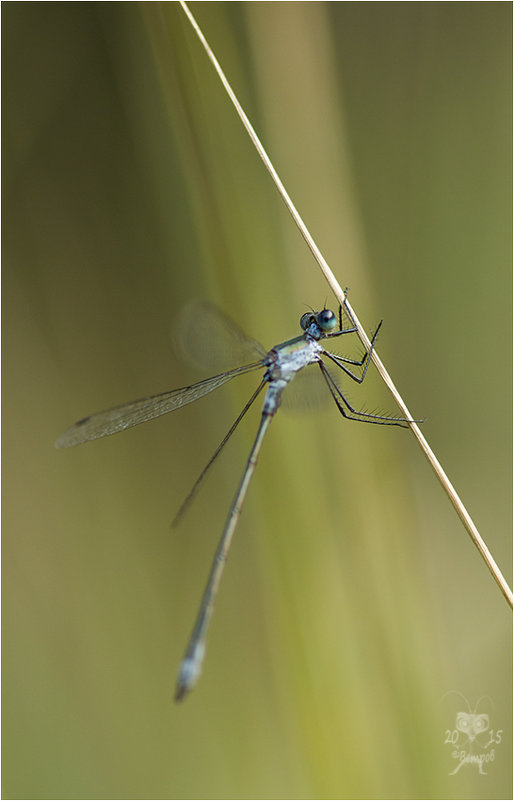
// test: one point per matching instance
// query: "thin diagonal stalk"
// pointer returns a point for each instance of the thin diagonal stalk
(341, 296)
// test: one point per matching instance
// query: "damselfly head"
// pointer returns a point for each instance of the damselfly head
(325, 320)
(306, 319)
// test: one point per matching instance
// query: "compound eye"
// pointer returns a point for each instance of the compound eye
(305, 320)
(326, 320)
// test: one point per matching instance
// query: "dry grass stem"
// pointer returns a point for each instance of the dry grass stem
(341, 296)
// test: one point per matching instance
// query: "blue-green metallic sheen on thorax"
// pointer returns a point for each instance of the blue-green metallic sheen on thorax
(291, 345)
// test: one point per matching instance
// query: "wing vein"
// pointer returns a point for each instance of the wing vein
(118, 418)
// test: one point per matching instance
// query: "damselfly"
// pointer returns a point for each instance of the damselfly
(281, 364)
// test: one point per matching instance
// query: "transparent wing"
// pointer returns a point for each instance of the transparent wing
(127, 415)
(306, 392)
(206, 337)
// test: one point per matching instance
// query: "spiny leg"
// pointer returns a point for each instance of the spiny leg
(352, 321)
(354, 414)
(352, 330)
(350, 318)
(338, 360)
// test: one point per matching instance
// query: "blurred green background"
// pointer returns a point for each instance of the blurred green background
(354, 608)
